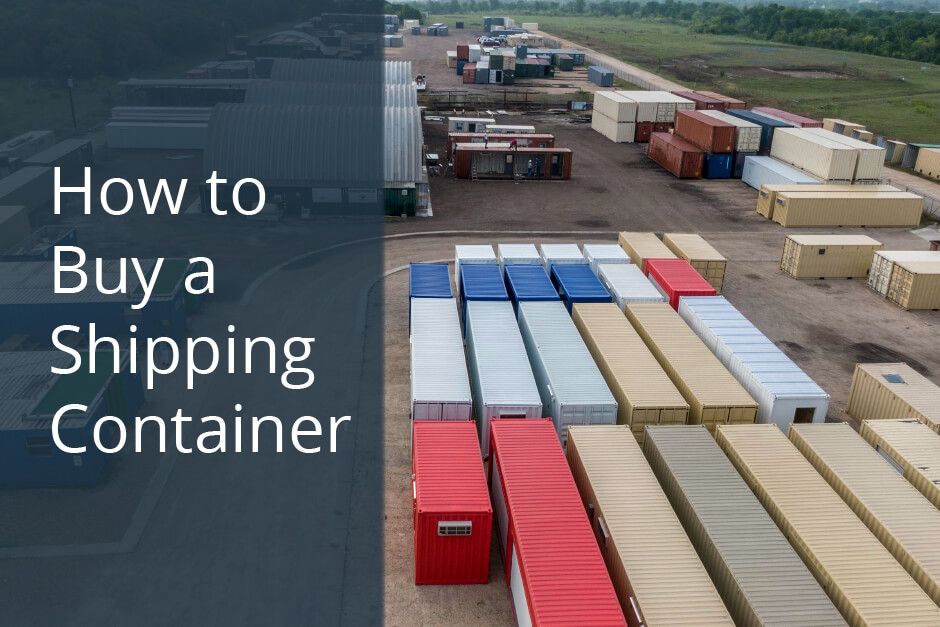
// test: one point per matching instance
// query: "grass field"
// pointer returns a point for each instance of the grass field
(896, 98)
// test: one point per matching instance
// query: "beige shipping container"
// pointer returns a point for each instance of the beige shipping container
(848, 209)
(905, 522)
(819, 156)
(870, 160)
(767, 196)
(899, 149)
(912, 447)
(714, 396)
(451, 58)
(762, 580)
(928, 162)
(893, 391)
(14, 227)
(619, 132)
(659, 578)
(642, 246)
(915, 285)
(746, 134)
(828, 256)
(701, 255)
(615, 105)
(645, 394)
(883, 263)
(858, 573)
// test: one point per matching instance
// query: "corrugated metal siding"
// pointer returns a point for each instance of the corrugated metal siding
(819, 156)
(873, 396)
(861, 577)
(913, 447)
(884, 261)
(528, 282)
(915, 285)
(438, 369)
(270, 92)
(627, 284)
(596, 254)
(747, 134)
(906, 523)
(828, 256)
(517, 254)
(578, 284)
(560, 253)
(701, 255)
(760, 577)
(642, 246)
(652, 564)
(767, 171)
(331, 71)
(471, 253)
(861, 208)
(676, 278)
(429, 280)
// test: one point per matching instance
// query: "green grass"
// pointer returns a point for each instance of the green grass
(890, 97)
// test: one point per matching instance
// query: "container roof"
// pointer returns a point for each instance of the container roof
(578, 281)
(482, 281)
(324, 71)
(504, 374)
(429, 280)
(529, 282)
(448, 468)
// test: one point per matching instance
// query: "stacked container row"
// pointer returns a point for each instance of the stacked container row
(701, 255)
(440, 386)
(912, 448)
(746, 135)
(870, 158)
(761, 171)
(893, 391)
(812, 208)
(706, 132)
(821, 157)
(828, 256)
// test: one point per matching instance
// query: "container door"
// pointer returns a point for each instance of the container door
(499, 507)
(520, 604)
(557, 165)
(508, 165)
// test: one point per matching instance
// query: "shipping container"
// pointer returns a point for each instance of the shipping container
(905, 522)
(510, 129)
(501, 378)
(31, 187)
(468, 125)
(470, 73)
(912, 448)
(615, 105)
(828, 256)
(760, 577)
(928, 162)
(747, 134)
(893, 391)
(718, 166)
(643, 132)
(701, 255)
(645, 395)
(705, 132)
(523, 140)
(602, 77)
(658, 577)
(651, 106)
(560, 254)
(642, 246)
(627, 284)
(866, 584)
(785, 116)
(529, 283)
(596, 254)
(471, 254)
(915, 285)
(479, 162)
(572, 389)
(676, 155)
(760, 171)
(767, 195)
(784, 393)
(768, 125)
(701, 101)
(713, 394)
(871, 209)
(453, 518)
(71, 156)
(440, 385)
(730, 103)
(39, 245)
(818, 156)
(884, 261)
(676, 278)
(554, 568)
(839, 126)
(618, 132)
(517, 255)
(463, 51)
(429, 280)
(14, 226)
(870, 160)
(578, 284)
(480, 282)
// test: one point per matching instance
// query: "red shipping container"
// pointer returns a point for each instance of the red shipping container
(453, 518)
(662, 127)
(706, 132)
(555, 571)
(730, 103)
(463, 51)
(702, 101)
(469, 73)
(643, 131)
(676, 155)
(676, 278)
(786, 116)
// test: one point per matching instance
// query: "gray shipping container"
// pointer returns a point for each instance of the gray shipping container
(500, 374)
(572, 389)
(596, 254)
(440, 386)
(761, 579)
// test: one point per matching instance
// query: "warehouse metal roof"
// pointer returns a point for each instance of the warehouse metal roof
(343, 71)
(307, 93)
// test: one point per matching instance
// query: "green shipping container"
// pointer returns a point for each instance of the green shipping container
(496, 61)
(400, 201)
(509, 77)
(564, 62)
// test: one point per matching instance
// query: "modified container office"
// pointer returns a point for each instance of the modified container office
(578, 284)
(571, 387)
(912, 448)
(658, 577)
(627, 284)
(440, 386)
(784, 393)
(642, 246)
(560, 254)
(500, 374)
(758, 574)
(529, 283)
(893, 391)
(676, 278)
(453, 518)
(596, 254)
(866, 584)
(517, 255)
(759, 171)
(554, 568)
(480, 282)
(471, 254)
(701, 255)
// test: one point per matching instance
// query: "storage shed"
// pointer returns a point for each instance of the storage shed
(912, 448)
(828, 256)
(440, 385)
(576, 283)
(627, 284)
(453, 517)
(893, 391)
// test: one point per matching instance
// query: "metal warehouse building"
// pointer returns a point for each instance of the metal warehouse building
(30, 395)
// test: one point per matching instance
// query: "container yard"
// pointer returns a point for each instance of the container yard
(634, 521)
(828, 256)
(893, 391)
(909, 445)
(759, 575)
(851, 563)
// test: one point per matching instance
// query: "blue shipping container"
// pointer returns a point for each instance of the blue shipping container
(482, 281)
(600, 76)
(718, 166)
(429, 280)
(738, 168)
(460, 64)
(529, 282)
(578, 284)
(767, 124)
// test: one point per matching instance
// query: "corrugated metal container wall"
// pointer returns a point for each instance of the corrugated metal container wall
(596, 254)
(627, 284)
(828, 256)
(554, 569)
(570, 385)
(767, 196)
(619, 132)
(645, 394)
(560, 254)
(517, 255)
(871, 158)
(657, 575)
(821, 157)
(578, 284)
(861, 577)
(453, 519)
(747, 134)
(912, 447)
(812, 208)
(760, 577)
(718, 166)
(701, 255)
(786, 116)
(641, 246)
(893, 391)
(713, 395)
(615, 106)
(677, 156)
(702, 102)
(883, 264)
(440, 387)
(427, 280)
(469, 254)
(904, 521)
(529, 282)
(675, 279)
(928, 162)
(730, 103)
(915, 285)
(768, 125)
(480, 282)
(705, 132)
(759, 171)
(500, 375)
(784, 393)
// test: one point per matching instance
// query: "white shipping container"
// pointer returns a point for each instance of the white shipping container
(768, 171)
(476, 52)
(784, 393)
(572, 389)
(517, 255)
(746, 134)
(615, 105)
(627, 284)
(596, 254)
(471, 253)
(647, 105)
(819, 156)
(500, 374)
(560, 254)
(870, 159)
(440, 385)
(618, 132)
